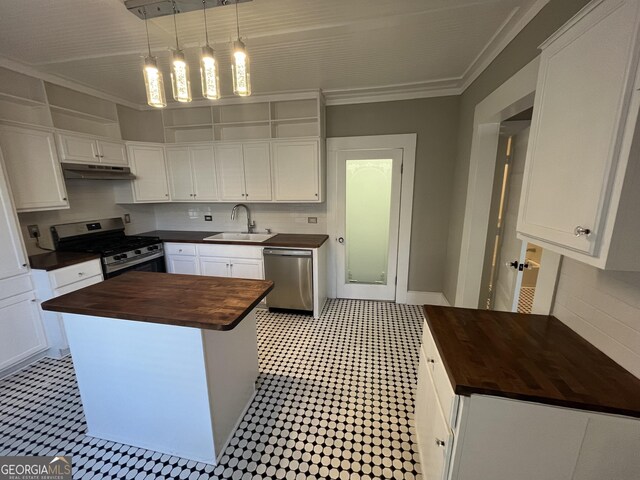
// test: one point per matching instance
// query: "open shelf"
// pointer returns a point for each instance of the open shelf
(27, 102)
(177, 117)
(243, 131)
(82, 115)
(294, 109)
(241, 113)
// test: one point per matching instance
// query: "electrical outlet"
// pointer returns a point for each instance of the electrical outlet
(34, 231)
(127, 218)
(208, 218)
(312, 219)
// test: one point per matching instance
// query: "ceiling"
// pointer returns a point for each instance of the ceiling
(348, 48)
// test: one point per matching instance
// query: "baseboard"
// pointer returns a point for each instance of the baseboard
(426, 298)
(22, 364)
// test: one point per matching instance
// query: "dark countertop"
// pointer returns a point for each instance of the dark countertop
(54, 260)
(293, 240)
(534, 358)
(212, 303)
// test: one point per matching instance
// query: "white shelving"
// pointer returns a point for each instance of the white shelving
(23, 99)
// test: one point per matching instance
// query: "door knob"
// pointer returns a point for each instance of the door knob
(340, 240)
(440, 443)
(580, 231)
(513, 264)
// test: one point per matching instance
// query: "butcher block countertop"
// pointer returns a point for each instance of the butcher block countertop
(213, 303)
(54, 260)
(292, 240)
(534, 358)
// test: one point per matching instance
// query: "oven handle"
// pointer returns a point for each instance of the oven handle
(110, 268)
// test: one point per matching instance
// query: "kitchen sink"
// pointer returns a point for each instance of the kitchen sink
(240, 237)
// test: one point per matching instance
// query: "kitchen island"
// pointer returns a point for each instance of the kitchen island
(165, 362)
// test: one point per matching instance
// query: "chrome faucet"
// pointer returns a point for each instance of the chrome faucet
(234, 213)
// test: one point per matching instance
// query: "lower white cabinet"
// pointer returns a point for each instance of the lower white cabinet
(231, 261)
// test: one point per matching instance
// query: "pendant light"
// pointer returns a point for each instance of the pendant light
(240, 65)
(153, 82)
(180, 83)
(208, 65)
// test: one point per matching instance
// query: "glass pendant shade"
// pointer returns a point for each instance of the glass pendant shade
(180, 83)
(209, 74)
(154, 83)
(240, 70)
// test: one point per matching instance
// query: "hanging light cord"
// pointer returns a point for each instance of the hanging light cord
(206, 30)
(175, 24)
(146, 27)
(237, 20)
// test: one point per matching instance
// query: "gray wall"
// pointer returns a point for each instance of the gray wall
(140, 125)
(435, 120)
(516, 55)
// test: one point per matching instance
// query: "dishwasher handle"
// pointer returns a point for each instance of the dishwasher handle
(283, 252)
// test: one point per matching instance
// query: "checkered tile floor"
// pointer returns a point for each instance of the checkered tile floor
(334, 401)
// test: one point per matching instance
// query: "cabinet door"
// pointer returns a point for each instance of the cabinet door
(214, 266)
(204, 173)
(585, 78)
(180, 178)
(246, 268)
(147, 163)
(76, 148)
(184, 264)
(295, 171)
(112, 153)
(257, 172)
(21, 332)
(230, 171)
(13, 260)
(33, 169)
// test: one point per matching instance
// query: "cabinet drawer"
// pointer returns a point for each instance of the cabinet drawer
(72, 287)
(65, 276)
(15, 286)
(180, 249)
(436, 369)
(230, 251)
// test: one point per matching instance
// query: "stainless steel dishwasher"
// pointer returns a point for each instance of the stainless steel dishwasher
(292, 273)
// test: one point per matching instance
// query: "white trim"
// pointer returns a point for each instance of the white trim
(389, 93)
(515, 95)
(426, 298)
(408, 143)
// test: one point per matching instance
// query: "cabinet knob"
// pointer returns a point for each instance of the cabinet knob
(80, 274)
(431, 360)
(580, 231)
(166, 194)
(316, 194)
(24, 265)
(513, 264)
(64, 198)
(440, 443)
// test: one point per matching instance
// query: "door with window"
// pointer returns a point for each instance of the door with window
(368, 219)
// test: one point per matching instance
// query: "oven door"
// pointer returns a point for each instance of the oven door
(151, 265)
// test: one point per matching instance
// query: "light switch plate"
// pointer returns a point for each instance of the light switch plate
(127, 218)
(208, 218)
(312, 219)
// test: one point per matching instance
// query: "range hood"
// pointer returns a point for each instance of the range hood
(96, 172)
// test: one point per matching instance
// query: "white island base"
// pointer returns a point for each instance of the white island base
(175, 390)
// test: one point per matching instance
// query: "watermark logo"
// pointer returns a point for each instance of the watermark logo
(35, 468)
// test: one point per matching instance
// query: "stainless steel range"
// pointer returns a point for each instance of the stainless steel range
(119, 252)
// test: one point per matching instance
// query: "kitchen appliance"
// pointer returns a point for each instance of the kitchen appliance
(96, 172)
(292, 273)
(119, 252)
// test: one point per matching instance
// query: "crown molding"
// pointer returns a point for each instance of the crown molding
(390, 93)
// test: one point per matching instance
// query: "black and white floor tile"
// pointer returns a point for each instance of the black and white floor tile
(334, 401)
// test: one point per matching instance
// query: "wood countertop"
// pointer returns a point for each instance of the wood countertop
(534, 358)
(54, 260)
(213, 303)
(292, 240)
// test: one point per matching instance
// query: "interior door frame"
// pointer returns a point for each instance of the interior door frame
(406, 142)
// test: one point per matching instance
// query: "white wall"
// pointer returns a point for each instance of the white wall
(89, 200)
(604, 308)
(280, 218)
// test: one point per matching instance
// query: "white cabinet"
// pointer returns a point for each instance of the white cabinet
(33, 169)
(231, 261)
(149, 167)
(181, 258)
(13, 260)
(89, 150)
(296, 170)
(192, 173)
(244, 171)
(581, 188)
(60, 282)
(215, 267)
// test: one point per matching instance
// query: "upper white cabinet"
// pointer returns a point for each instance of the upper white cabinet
(296, 170)
(581, 187)
(244, 171)
(13, 260)
(33, 168)
(151, 182)
(192, 173)
(84, 149)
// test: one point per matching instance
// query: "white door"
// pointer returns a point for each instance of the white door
(12, 257)
(203, 167)
(368, 192)
(180, 178)
(148, 165)
(76, 148)
(230, 171)
(257, 172)
(295, 170)
(112, 153)
(246, 268)
(184, 264)
(215, 267)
